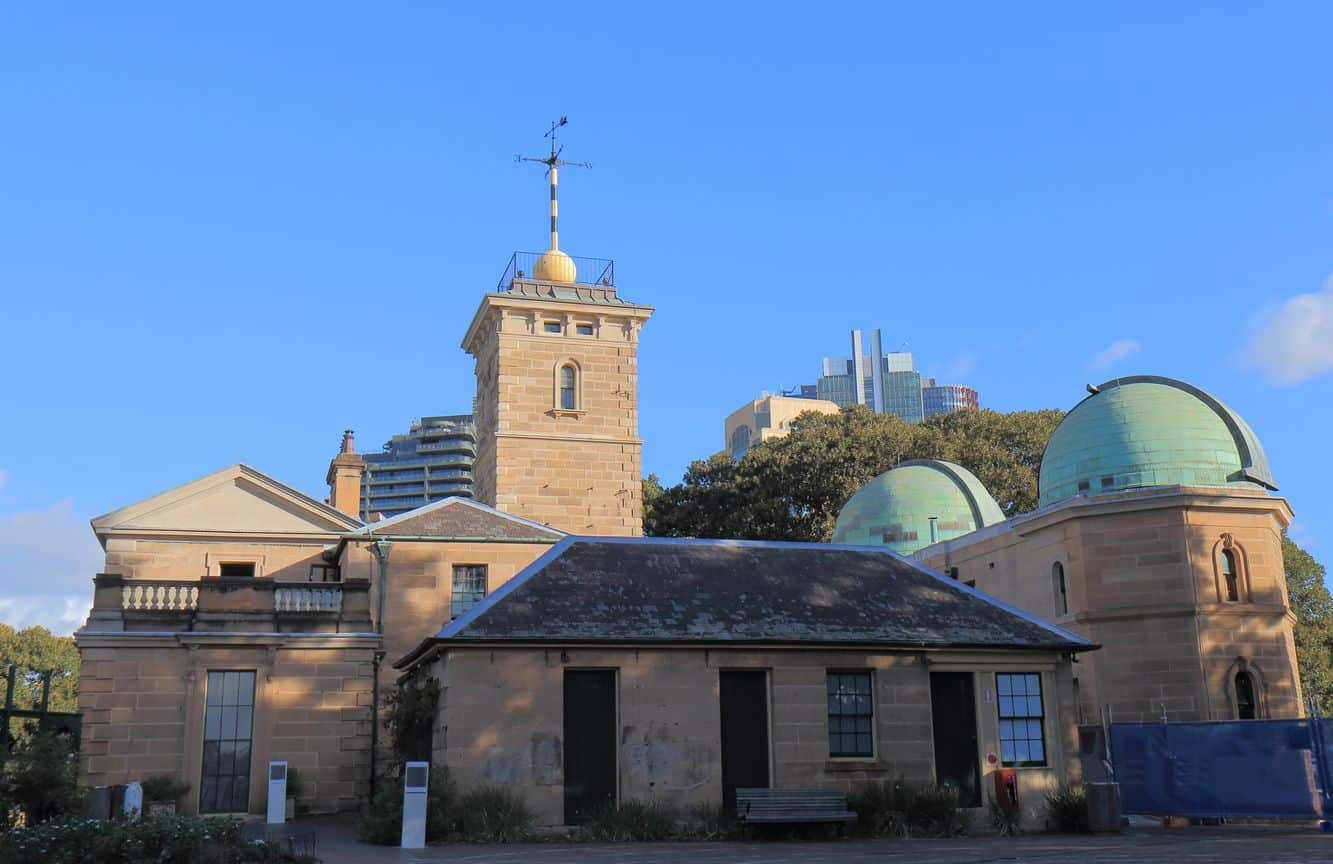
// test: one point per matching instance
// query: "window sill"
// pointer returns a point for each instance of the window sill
(836, 764)
(567, 412)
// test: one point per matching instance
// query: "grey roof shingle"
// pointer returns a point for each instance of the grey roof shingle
(665, 590)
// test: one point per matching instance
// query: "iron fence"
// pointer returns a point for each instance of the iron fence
(588, 271)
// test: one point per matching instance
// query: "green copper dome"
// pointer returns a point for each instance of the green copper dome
(1150, 431)
(896, 507)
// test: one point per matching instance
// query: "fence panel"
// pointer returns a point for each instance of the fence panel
(1258, 768)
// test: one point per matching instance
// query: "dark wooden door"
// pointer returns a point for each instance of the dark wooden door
(743, 698)
(590, 743)
(954, 715)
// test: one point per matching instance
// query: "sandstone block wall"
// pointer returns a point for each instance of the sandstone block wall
(142, 700)
(578, 470)
(188, 560)
(1143, 579)
(501, 720)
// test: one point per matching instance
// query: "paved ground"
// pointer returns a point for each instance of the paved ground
(336, 844)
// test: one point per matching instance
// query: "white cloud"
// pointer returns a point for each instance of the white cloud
(1114, 353)
(1294, 342)
(3, 477)
(48, 557)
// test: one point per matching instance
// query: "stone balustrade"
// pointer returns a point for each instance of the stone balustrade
(241, 605)
(312, 599)
(160, 596)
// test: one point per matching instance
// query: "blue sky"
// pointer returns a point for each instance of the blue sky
(226, 234)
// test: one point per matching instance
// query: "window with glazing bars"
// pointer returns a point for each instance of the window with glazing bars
(469, 587)
(1021, 738)
(850, 714)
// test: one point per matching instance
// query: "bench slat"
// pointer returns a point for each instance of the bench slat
(792, 805)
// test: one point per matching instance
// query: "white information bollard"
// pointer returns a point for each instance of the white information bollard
(277, 791)
(133, 806)
(416, 778)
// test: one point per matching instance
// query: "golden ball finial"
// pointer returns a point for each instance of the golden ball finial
(555, 266)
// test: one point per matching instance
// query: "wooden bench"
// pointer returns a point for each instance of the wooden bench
(790, 806)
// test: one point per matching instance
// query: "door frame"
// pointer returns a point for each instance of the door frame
(768, 713)
(616, 711)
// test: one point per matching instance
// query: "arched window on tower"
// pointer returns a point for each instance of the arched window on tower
(1230, 581)
(568, 397)
(1061, 593)
(1246, 707)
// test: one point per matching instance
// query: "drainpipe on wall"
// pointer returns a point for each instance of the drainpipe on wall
(380, 549)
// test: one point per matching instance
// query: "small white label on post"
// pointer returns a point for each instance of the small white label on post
(277, 792)
(416, 780)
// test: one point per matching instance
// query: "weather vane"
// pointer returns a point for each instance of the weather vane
(553, 163)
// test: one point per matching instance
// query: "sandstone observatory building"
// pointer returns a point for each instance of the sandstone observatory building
(238, 621)
(1156, 536)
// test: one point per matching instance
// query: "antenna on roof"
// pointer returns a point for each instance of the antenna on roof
(553, 162)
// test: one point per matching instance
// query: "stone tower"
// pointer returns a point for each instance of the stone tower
(557, 402)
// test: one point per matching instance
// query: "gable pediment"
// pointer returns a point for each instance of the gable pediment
(462, 518)
(234, 501)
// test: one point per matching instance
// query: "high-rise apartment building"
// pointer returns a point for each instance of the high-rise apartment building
(432, 461)
(947, 398)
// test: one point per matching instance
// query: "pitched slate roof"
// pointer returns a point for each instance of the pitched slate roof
(645, 590)
(461, 519)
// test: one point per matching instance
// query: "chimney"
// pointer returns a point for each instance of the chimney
(344, 477)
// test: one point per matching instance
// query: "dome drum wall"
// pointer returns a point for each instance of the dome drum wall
(896, 508)
(1150, 431)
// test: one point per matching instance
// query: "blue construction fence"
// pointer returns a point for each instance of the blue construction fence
(1241, 768)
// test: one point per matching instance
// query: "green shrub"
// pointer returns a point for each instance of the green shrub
(1067, 808)
(159, 839)
(41, 779)
(382, 822)
(932, 811)
(709, 821)
(164, 789)
(491, 814)
(1007, 822)
(880, 808)
(631, 821)
(896, 809)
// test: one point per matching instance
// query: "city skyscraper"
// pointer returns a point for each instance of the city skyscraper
(884, 383)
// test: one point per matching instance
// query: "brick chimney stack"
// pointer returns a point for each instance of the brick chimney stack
(344, 477)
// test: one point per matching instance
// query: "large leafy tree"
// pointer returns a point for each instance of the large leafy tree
(1309, 598)
(36, 650)
(792, 488)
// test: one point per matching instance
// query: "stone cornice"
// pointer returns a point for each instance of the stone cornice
(589, 439)
(497, 301)
(223, 639)
(1198, 498)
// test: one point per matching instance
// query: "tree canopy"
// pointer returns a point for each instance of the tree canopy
(792, 488)
(35, 650)
(1308, 596)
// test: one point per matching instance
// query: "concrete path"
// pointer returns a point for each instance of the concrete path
(336, 844)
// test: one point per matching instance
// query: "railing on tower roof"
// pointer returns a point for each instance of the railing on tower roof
(588, 271)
